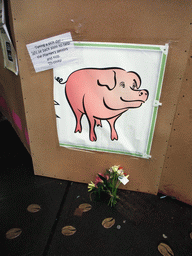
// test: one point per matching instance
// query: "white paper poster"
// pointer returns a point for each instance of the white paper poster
(9, 53)
(108, 101)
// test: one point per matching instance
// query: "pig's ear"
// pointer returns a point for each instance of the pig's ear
(108, 79)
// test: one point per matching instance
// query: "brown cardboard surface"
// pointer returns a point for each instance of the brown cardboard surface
(11, 98)
(151, 22)
(176, 177)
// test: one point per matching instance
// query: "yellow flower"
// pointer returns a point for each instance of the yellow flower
(127, 176)
(91, 186)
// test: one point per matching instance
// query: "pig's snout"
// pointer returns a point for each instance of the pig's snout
(144, 94)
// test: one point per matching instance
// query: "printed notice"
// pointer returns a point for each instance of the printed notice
(9, 53)
(2, 13)
(52, 52)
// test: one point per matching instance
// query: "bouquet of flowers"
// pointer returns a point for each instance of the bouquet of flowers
(108, 184)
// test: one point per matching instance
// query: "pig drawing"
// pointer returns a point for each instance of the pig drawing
(102, 94)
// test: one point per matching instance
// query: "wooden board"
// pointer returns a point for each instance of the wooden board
(11, 97)
(112, 21)
(176, 178)
(11, 102)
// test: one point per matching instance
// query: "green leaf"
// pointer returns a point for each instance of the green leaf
(101, 177)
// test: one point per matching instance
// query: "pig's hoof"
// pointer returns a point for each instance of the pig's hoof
(78, 130)
(93, 138)
(114, 138)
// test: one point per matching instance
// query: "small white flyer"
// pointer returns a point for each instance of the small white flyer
(123, 180)
(52, 52)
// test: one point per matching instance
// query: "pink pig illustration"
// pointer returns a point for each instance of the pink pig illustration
(102, 94)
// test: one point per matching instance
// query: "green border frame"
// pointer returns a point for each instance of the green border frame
(164, 50)
(158, 94)
(116, 45)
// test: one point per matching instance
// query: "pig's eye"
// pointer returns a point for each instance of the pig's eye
(122, 84)
(134, 86)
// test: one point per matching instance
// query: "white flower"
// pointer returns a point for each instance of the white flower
(120, 172)
(115, 168)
